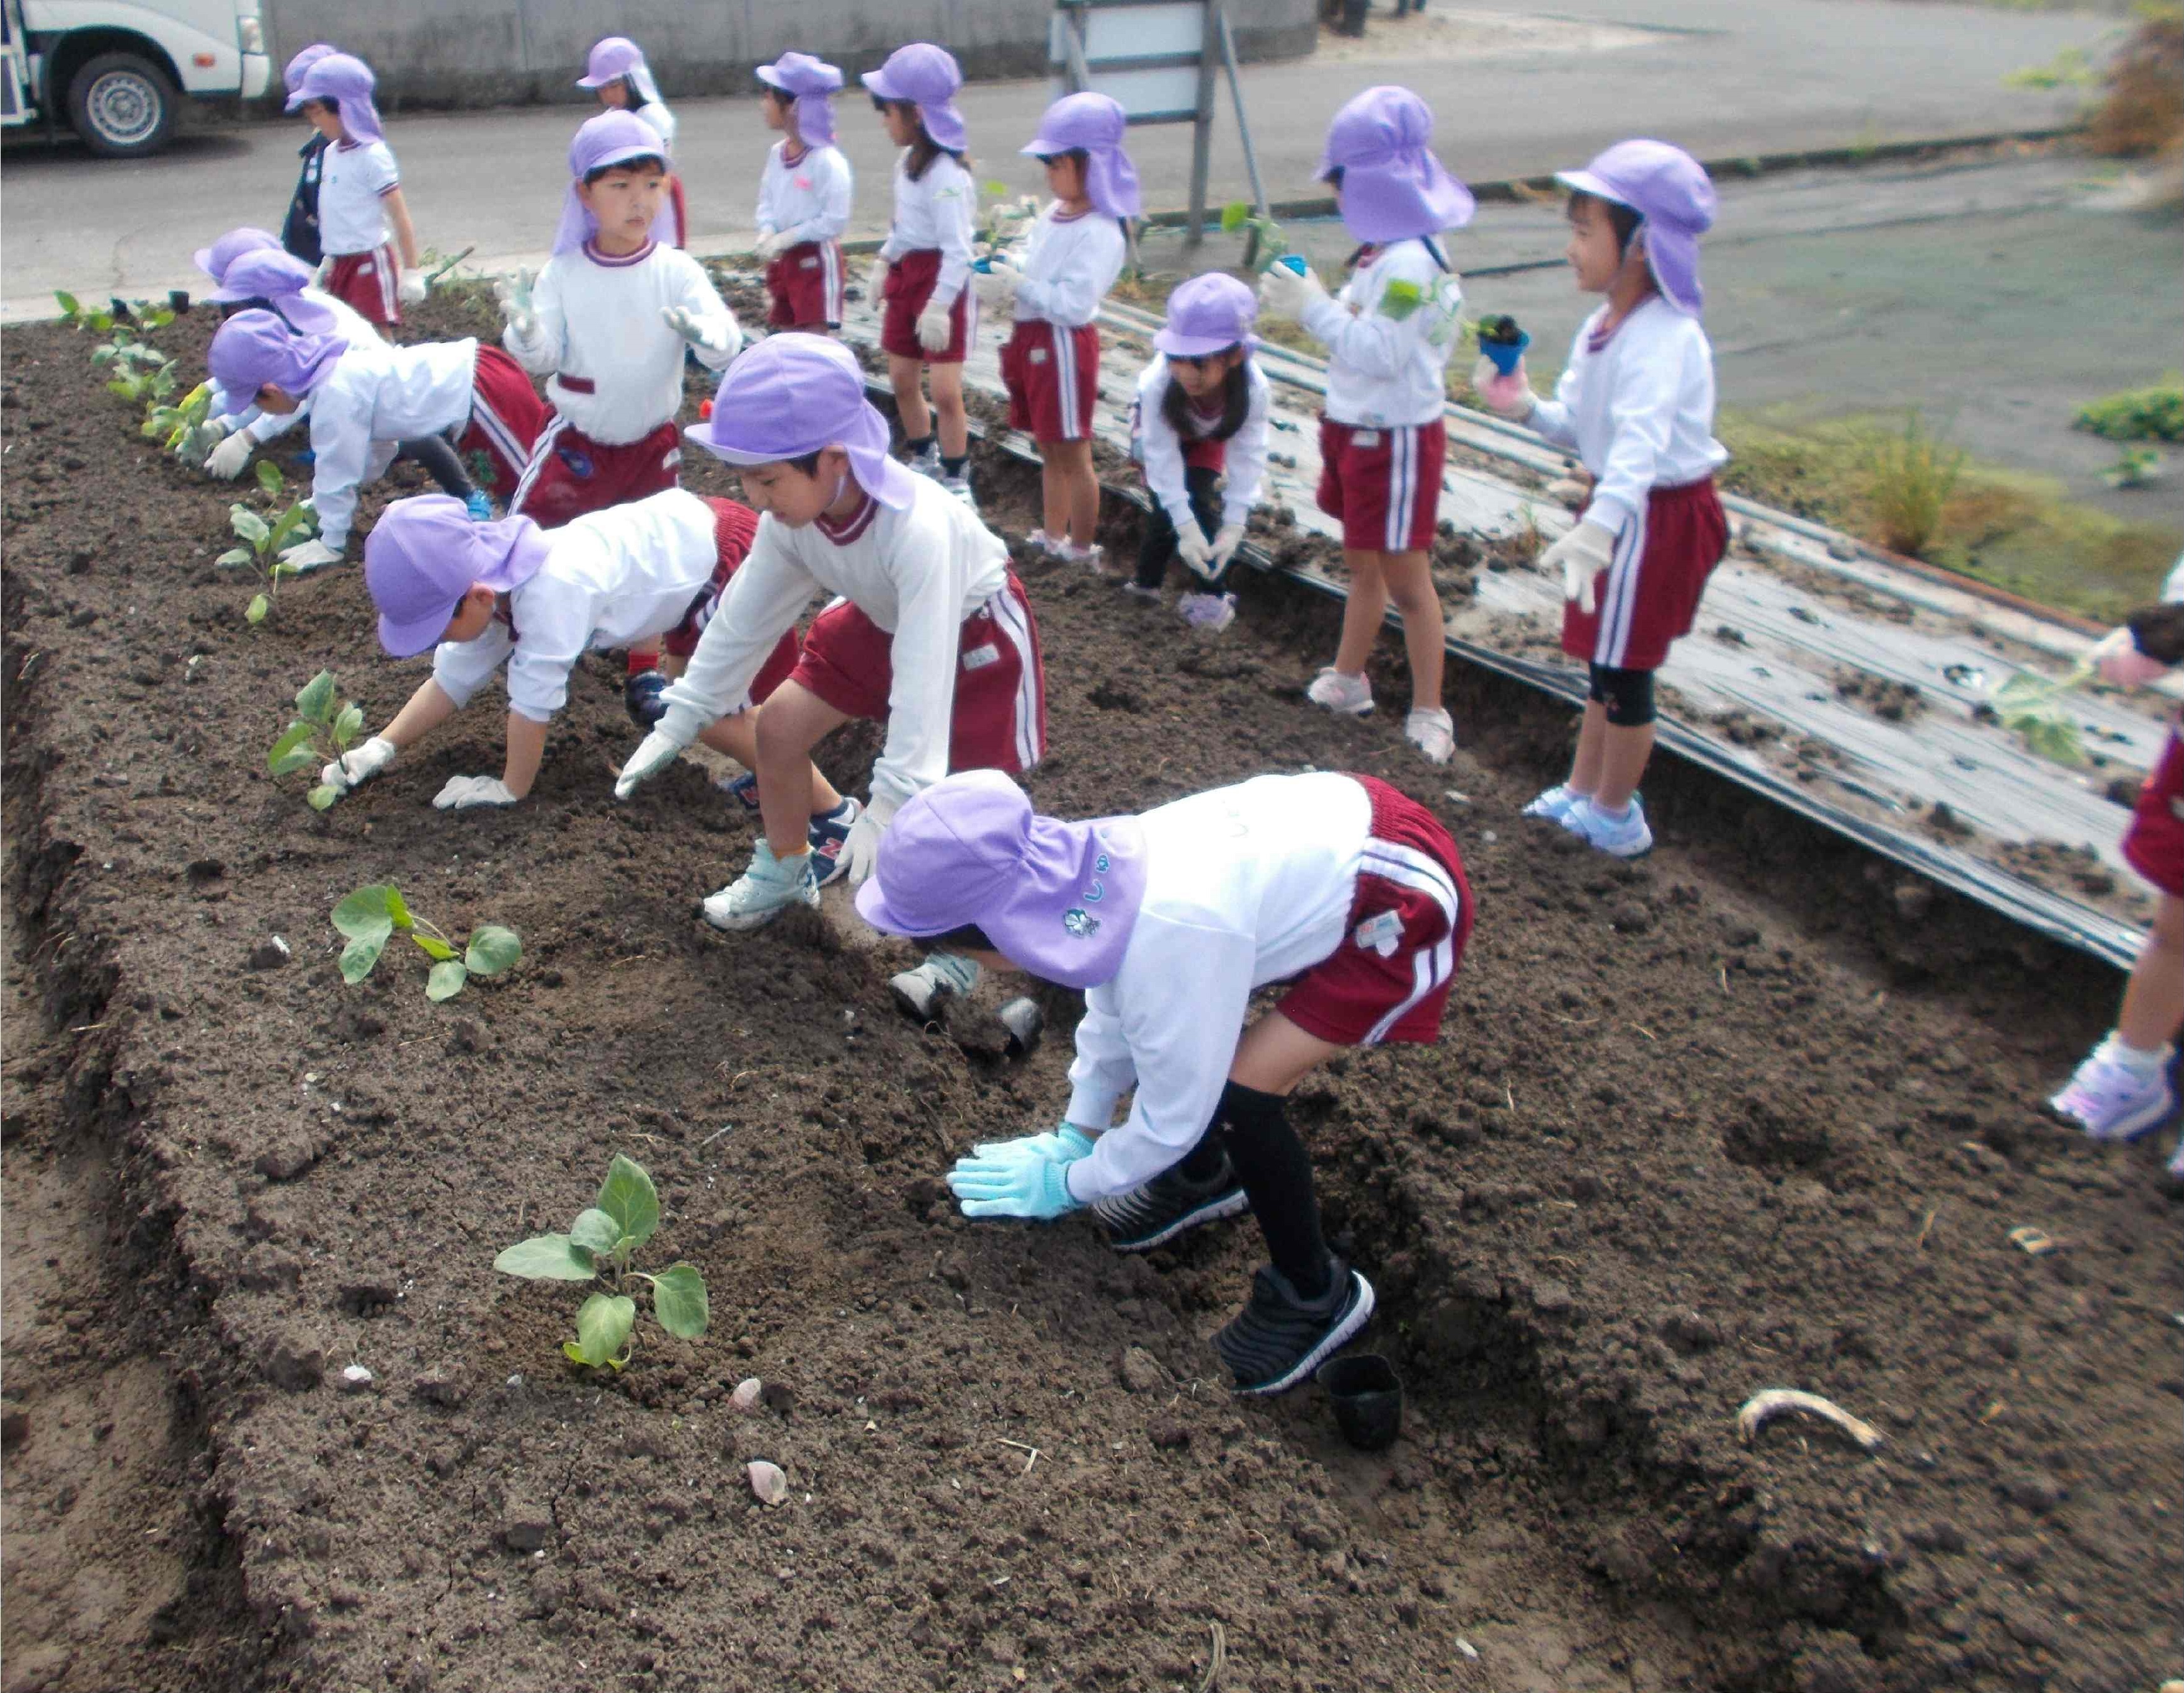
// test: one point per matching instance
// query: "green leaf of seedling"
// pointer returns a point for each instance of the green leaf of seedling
(70, 306)
(596, 1232)
(291, 525)
(269, 475)
(255, 611)
(296, 739)
(322, 797)
(314, 700)
(603, 1324)
(678, 1300)
(359, 956)
(249, 526)
(104, 354)
(446, 980)
(366, 913)
(127, 390)
(493, 949)
(999, 191)
(628, 1196)
(295, 759)
(546, 1258)
(1233, 216)
(101, 321)
(237, 555)
(346, 726)
(434, 948)
(397, 909)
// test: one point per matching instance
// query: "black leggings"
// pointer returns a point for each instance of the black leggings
(1253, 1129)
(1626, 695)
(440, 461)
(1158, 546)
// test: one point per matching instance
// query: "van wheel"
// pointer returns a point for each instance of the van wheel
(122, 105)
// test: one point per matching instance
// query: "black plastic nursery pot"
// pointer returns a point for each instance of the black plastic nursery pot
(1367, 1396)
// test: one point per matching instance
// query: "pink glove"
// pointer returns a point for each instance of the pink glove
(1509, 395)
(2119, 661)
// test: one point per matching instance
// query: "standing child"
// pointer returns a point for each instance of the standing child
(299, 230)
(1169, 922)
(1389, 334)
(923, 271)
(359, 193)
(364, 399)
(803, 195)
(616, 70)
(2122, 1090)
(1051, 362)
(1202, 408)
(932, 635)
(1635, 403)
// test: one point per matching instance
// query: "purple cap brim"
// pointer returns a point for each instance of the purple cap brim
(1177, 346)
(1672, 254)
(420, 635)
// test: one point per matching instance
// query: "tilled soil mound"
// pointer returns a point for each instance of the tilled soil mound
(1693, 1133)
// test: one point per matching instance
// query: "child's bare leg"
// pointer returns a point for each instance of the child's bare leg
(1627, 747)
(908, 376)
(1362, 613)
(2154, 998)
(1053, 493)
(949, 418)
(1079, 488)
(1588, 767)
(1409, 577)
(737, 736)
(792, 721)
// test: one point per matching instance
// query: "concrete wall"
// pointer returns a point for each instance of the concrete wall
(443, 53)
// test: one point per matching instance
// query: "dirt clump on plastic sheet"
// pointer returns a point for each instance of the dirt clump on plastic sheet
(1692, 1133)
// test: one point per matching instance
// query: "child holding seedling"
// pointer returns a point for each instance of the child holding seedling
(2122, 1090)
(923, 272)
(1169, 922)
(1635, 403)
(1201, 408)
(803, 196)
(1054, 286)
(360, 395)
(486, 595)
(1389, 334)
(359, 192)
(299, 230)
(932, 635)
(616, 70)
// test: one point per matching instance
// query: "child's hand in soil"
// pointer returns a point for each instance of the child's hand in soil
(861, 852)
(1018, 1181)
(1581, 555)
(1226, 540)
(653, 754)
(1509, 395)
(1065, 1143)
(467, 793)
(229, 458)
(359, 765)
(1195, 551)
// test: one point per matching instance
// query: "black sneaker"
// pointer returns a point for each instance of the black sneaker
(1279, 1339)
(1168, 1205)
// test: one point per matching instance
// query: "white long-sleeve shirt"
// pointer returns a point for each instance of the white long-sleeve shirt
(662, 122)
(806, 197)
(1637, 408)
(917, 573)
(938, 210)
(1389, 335)
(1245, 467)
(1068, 265)
(615, 367)
(612, 579)
(350, 325)
(378, 393)
(1244, 886)
(353, 181)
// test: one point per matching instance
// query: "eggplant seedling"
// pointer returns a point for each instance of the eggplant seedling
(597, 1248)
(318, 736)
(371, 915)
(183, 428)
(2035, 708)
(1263, 241)
(262, 541)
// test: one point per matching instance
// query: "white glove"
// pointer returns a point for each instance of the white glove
(1192, 547)
(693, 329)
(513, 295)
(467, 792)
(228, 459)
(773, 243)
(876, 280)
(2118, 660)
(1286, 294)
(862, 851)
(306, 556)
(935, 326)
(1582, 554)
(411, 290)
(1509, 395)
(653, 754)
(319, 276)
(1226, 540)
(359, 765)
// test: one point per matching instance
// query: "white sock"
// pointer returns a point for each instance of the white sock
(2142, 1063)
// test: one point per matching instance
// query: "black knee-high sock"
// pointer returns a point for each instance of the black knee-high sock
(441, 462)
(1276, 1172)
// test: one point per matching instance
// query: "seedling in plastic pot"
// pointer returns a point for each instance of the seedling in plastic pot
(1006, 223)
(369, 917)
(2036, 709)
(1264, 242)
(597, 1248)
(318, 736)
(262, 541)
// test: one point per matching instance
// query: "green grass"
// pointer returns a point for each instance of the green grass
(2151, 413)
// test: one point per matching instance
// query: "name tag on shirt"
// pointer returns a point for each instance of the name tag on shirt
(1367, 438)
(979, 657)
(1038, 356)
(811, 264)
(1381, 932)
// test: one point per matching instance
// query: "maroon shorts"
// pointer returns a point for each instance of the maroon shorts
(910, 284)
(1649, 596)
(506, 417)
(569, 474)
(1053, 377)
(805, 284)
(1000, 717)
(1206, 454)
(369, 281)
(1382, 485)
(2154, 844)
(734, 528)
(1409, 919)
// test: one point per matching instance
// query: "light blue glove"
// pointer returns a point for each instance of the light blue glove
(1065, 1143)
(1021, 1180)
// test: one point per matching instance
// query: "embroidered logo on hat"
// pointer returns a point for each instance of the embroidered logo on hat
(1081, 923)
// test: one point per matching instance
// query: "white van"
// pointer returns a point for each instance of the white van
(115, 71)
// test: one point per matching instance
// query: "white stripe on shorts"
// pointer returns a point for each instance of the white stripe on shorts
(1402, 486)
(542, 449)
(1408, 867)
(830, 273)
(1010, 618)
(1618, 602)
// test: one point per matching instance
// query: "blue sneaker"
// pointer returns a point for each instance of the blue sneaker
(1624, 836)
(744, 789)
(307, 457)
(642, 698)
(1555, 804)
(828, 833)
(763, 892)
(479, 506)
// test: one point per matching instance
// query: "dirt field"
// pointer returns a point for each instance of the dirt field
(1754, 1113)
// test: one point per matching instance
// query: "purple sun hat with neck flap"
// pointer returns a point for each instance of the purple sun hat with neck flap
(1096, 124)
(613, 137)
(615, 57)
(1058, 898)
(1674, 197)
(1208, 315)
(293, 75)
(349, 83)
(797, 393)
(810, 83)
(213, 260)
(425, 552)
(1393, 187)
(256, 348)
(928, 76)
(278, 278)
